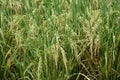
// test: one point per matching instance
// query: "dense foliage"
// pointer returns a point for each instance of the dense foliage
(60, 39)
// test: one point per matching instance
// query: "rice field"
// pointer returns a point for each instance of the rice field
(60, 40)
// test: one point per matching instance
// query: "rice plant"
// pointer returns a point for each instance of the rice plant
(59, 39)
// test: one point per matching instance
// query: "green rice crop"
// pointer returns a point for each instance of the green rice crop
(60, 40)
